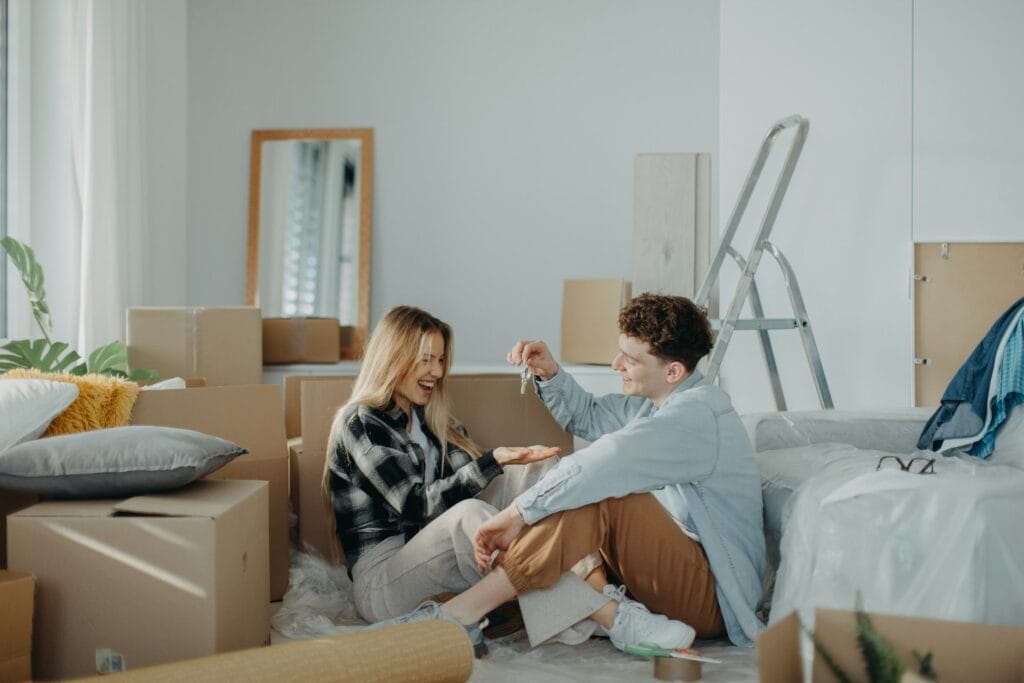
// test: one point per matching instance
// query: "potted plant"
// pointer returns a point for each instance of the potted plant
(45, 354)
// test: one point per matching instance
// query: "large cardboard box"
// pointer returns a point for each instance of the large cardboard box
(11, 501)
(961, 651)
(153, 579)
(590, 319)
(250, 416)
(301, 340)
(320, 402)
(222, 344)
(17, 590)
(293, 400)
(490, 406)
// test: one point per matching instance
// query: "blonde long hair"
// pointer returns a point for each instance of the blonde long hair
(395, 347)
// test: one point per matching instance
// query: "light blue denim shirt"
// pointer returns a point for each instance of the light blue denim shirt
(692, 452)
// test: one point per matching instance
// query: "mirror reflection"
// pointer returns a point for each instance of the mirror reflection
(309, 224)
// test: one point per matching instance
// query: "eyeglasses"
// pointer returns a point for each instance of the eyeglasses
(916, 465)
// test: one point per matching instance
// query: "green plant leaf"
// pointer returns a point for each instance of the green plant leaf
(830, 662)
(48, 356)
(39, 354)
(882, 663)
(109, 359)
(112, 360)
(24, 259)
(924, 666)
(140, 375)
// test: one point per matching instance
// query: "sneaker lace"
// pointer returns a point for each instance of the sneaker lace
(618, 594)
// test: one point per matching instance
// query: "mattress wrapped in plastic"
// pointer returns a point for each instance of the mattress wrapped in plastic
(895, 430)
(943, 539)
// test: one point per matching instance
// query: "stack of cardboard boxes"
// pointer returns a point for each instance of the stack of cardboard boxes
(158, 578)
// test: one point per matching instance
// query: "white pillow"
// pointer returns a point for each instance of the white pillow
(28, 406)
(1009, 445)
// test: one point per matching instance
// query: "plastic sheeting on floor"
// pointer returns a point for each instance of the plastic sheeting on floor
(319, 602)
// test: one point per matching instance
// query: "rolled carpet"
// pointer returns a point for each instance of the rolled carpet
(421, 651)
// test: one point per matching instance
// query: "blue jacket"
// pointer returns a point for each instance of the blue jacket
(692, 453)
(964, 404)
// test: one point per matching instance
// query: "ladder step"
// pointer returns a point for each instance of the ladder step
(760, 324)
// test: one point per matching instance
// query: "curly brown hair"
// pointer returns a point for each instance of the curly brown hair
(676, 328)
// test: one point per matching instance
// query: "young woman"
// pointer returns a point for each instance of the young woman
(401, 472)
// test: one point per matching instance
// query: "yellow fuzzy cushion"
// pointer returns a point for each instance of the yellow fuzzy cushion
(102, 401)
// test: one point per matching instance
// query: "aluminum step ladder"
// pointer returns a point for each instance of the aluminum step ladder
(746, 287)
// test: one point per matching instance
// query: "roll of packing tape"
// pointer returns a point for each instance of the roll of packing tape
(673, 669)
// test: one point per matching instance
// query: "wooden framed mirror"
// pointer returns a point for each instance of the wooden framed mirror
(310, 208)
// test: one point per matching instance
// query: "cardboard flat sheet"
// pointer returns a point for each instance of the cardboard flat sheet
(968, 286)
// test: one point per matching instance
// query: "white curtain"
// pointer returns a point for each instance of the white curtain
(109, 223)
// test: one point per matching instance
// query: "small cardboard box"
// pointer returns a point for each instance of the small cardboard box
(293, 400)
(961, 651)
(301, 340)
(154, 578)
(590, 319)
(222, 344)
(490, 406)
(250, 416)
(17, 590)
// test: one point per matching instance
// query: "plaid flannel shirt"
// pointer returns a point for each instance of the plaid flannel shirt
(376, 481)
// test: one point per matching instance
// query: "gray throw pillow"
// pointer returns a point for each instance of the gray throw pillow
(114, 463)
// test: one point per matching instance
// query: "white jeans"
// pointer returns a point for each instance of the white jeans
(393, 577)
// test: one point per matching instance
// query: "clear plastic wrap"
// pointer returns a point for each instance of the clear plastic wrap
(894, 430)
(318, 602)
(946, 545)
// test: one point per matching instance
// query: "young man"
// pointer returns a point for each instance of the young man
(668, 493)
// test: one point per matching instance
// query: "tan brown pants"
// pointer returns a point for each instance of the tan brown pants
(640, 543)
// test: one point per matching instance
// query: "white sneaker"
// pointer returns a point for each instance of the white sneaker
(635, 624)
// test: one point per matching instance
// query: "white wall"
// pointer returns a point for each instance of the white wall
(166, 97)
(968, 138)
(505, 137)
(846, 223)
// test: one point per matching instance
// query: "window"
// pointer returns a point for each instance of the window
(3, 164)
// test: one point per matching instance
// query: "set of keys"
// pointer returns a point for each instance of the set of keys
(526, 376)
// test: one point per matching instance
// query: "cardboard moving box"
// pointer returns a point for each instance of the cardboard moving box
(250, 416)
(961, 651)
(223, 344)
(17, 590)
(11, 501)
(301, 340)
(490, 406)
(590, 319)
(154, 578)
(293, 399)
(320, 401)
